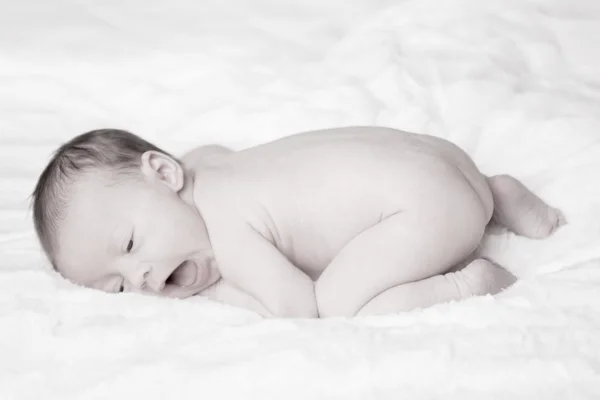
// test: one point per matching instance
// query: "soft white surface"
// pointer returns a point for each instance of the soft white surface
(513, 82)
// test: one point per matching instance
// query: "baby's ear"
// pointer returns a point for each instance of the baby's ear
(161, 167)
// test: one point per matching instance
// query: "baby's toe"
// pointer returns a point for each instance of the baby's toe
(561, 218)
(549, 223)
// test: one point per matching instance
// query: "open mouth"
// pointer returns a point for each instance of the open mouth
(190, 278)
(186, 274)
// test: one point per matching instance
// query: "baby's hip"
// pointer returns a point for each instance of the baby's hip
(446, 171)
(443, 191)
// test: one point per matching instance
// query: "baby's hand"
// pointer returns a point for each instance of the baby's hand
(258, 267)
(225, 293)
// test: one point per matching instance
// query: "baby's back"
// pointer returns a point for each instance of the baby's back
(311, 193)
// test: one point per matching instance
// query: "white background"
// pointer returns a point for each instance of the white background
(515, 83)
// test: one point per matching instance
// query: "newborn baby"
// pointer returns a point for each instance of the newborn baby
(338, 222)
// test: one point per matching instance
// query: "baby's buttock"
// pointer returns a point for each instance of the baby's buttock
(420, 174)
(443, 186)
(458, 168)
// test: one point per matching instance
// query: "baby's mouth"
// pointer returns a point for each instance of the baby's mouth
(190, 278)
(184, 275)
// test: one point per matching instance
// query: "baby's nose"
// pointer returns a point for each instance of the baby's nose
(142, 278)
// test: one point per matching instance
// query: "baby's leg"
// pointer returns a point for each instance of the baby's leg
(417, 243)
(520, 211)
(480, 277)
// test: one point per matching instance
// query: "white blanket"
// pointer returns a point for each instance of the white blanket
(514, 82)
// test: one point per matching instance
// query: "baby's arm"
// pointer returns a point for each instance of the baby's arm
(250, 262)
(225, 293)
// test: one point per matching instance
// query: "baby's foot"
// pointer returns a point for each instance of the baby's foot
(483, 277)
(521, 211)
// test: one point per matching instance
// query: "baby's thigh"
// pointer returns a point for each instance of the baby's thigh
(446, 217)
(413, 244)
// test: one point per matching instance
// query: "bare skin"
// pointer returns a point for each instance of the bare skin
(338, 222)
(355, 256)
(522, 212)
(517, 210)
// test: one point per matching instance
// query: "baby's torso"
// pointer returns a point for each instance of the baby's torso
(310, 194)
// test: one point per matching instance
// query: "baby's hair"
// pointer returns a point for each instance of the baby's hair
(112, 150)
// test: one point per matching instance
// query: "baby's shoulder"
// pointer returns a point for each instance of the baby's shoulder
(205, 155)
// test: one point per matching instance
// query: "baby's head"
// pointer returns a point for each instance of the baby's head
(116, 213)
